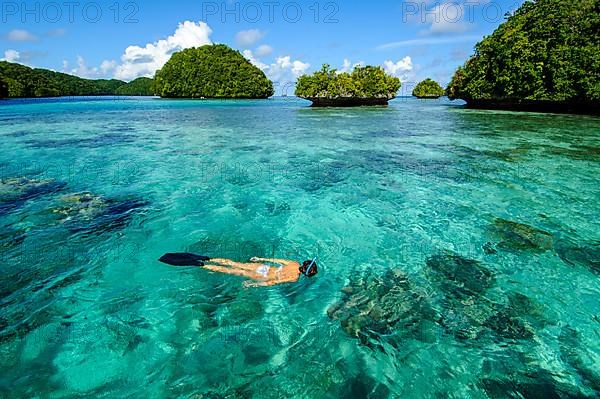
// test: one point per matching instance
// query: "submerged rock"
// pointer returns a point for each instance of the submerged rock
(11, 238)
(518, 236)
(374, 305)
(82, 212)
(489, 249)
(582, 254)
(14, 192)
(466, 313)
(574, 352)
(531, 385)
(84, 206)
(277, 208)
(459, 277)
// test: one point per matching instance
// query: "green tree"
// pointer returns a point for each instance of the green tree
(548, 50)
(367, 82)
(137, 87)
(28, 82)
(428, 88)
(211, 71)
(3, 89)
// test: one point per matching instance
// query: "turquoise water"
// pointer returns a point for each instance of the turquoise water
(458, 250)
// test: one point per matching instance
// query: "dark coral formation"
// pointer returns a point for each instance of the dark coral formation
(87, 212)
(15, 192)
(375, 305)
(520, 237)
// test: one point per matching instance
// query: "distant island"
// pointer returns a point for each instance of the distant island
(211, 71)
(137, 87)
(545, 57)
(21, 81)
(428, 89)
(365, 86)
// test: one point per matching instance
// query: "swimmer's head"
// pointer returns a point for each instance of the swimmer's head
(309, 268)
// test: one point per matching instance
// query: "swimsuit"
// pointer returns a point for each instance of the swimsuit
(263, 270)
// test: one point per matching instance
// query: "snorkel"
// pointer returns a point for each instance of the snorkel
(307, 272)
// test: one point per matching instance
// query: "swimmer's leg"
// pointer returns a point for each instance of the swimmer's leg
(236, 265)
(232, 271)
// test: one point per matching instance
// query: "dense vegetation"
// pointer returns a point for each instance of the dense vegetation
(211, 71)
(3, 89)
(364, 82)
(137, 87)
(428, 88)
(22, 81)
(547, 51)
(27, 82)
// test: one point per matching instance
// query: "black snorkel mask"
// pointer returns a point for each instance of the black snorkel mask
(308, 269)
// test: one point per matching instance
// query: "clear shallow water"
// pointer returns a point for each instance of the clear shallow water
(87, 309)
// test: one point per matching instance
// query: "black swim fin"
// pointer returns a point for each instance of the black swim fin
(184, 259)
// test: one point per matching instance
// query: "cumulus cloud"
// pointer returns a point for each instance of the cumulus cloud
(264, 50)
(83, 70)
(20, 35)
(11, 56)
(349, 66)
(283, 72)
(255, 61)
(145, 61)
(247, 38)
(399, 69)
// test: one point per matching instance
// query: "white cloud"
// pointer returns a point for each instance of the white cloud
(254, 61)
(399, 69)
(264, 50)
(107, 66)
(11, 56)
(56, 32)
(20, 35)
(283, 72)
(349, 66)
(85, 71)
(446, 18)
(82, 69)
(247, 38)
(145, 61)
(428, 41)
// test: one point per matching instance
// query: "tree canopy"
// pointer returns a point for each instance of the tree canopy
(137, 87)
(211, 71)
(428, 88)
(367, 82)
(3, 89)
(548, 50)
(23, 81)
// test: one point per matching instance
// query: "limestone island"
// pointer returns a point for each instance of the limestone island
(211, 71)
(20, 81)
(365, 86)
(543, 58)
(428, 89)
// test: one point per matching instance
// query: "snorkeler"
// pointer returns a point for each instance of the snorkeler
(262, 272)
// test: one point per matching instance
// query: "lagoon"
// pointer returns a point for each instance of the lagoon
(458, 249)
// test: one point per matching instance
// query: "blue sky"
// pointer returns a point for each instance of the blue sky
(125, 39)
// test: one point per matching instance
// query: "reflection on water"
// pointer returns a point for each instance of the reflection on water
(458, 250)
